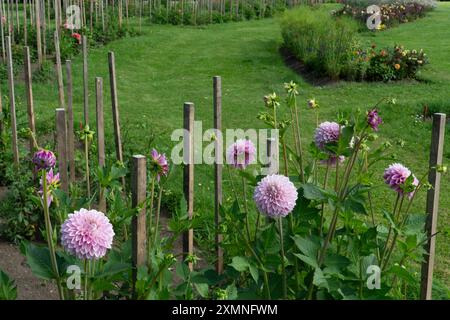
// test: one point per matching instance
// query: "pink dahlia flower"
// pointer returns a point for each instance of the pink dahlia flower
(44, 159)
(395, 176)
(374, 119)
(159, 164)
(275, 196)
(327, 132)
(87, 234)
(52, 184)
(77, 37)
(241, 153)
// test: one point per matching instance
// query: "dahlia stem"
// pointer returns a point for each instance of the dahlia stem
(158, 210)
(325, 182)
(247, 224)
(283, 267)
(86, 159)
(394, 239)
(85, 292)
(49, 231)
(150, 214)
(300, 152)
(390, 228)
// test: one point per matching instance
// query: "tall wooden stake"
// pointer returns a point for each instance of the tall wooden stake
(100, 136)
(12, 101)
(61, 142)
(59, 72)
(115, 109)
(85, 81)
(138, 224)
(188, 175)
(70, 130)
(217, 95)
(434, 178)
(29, 94)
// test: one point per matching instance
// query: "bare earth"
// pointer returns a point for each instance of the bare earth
(28, 286)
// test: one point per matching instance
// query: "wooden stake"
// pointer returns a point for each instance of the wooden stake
(217, 95)
(12, 101)
(70, 129)
(115, 109)
(38, 32)
(29, 94)
(188, 175)
(85, 82)
(100, 136)
(59, 72)
(434, 178)
(61, 142)
(2, 33)
(138, 225)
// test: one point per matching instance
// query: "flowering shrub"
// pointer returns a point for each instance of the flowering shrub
(392, 13)
(338, 54)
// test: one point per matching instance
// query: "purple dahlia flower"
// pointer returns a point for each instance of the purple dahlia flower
(374, 119)
(275, 196)
(241, 153)
(44, 159)
(395, 176)
(159, 164)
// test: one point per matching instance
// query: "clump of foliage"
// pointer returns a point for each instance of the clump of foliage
(8, 289)
(391, 12)
(330, 47)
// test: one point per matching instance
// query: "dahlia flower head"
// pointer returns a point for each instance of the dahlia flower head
(77, 37)
(87, 234)
(241, 153)
(374, 119)
(395, 176)
(275, 196)
(53, 181)
(159, 164)
(328, 132)
(44, 159)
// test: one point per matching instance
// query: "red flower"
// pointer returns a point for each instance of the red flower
(77, 36)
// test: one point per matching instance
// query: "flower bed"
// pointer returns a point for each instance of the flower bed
(330, 47)
(391, 12)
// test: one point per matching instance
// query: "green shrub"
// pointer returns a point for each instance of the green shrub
(322, 42)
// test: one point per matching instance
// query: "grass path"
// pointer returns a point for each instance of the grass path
(168, 65)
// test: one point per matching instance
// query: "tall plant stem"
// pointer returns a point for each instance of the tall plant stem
(158, 211)
(283, 267)
(325, 182)
(300, 152)
(394, 240)
(372, 215)
(258, 260)
(247, 224)
(390, 228)
(233, 189)
(150, 213)
(86, 159)
(49, 231)
(85, 292)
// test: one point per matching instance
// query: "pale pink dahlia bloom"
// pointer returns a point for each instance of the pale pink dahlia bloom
(241, 153)
(159, 164)
(275, 196)
(52, 184)
(87, 234)
(395, 176)
(328, 132)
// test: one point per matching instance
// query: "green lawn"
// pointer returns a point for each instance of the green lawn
(169, 65)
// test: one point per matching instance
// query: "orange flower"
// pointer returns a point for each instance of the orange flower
(396, 66)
